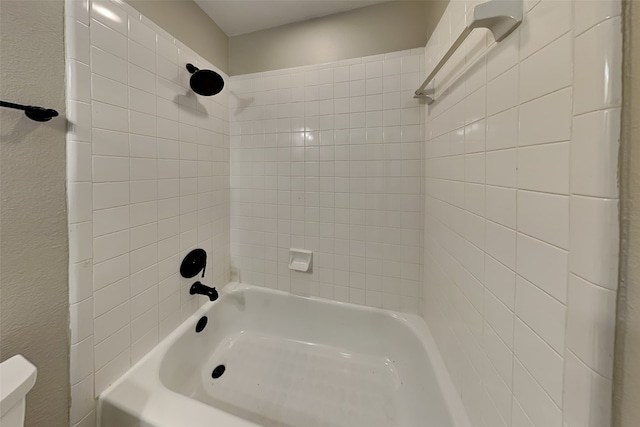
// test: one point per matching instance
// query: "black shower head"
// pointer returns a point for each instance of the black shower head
(205, 82)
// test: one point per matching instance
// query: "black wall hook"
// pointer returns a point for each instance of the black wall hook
(38, 114)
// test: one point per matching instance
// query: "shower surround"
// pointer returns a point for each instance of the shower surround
(521, 224)
(492, 212)
(148, 180)
(329, 158)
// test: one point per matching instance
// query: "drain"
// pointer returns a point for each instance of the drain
(201, 324)
(217, 373)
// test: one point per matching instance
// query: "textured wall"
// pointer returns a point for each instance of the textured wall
(381, 28)
(521, 233)
(185, 21)
(33, 220)
(627, 371)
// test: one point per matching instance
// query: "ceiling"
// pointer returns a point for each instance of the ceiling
(237, 17)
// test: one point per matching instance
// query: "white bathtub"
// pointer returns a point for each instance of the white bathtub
(290, 361)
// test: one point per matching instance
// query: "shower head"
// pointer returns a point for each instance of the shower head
(205, 82)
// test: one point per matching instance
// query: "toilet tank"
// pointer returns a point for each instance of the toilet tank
(17, 377)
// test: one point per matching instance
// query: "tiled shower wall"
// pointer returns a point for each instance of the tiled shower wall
(148, 173)
(329, 158)
(521, 231)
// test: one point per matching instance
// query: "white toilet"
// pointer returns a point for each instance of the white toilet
(17, 377)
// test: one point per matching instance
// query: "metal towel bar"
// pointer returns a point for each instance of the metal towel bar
(501, 17)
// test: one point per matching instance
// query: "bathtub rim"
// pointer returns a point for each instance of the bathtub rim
(415, 323)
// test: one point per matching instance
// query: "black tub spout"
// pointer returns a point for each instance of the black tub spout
(202, 289)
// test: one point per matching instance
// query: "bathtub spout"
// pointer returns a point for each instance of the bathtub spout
(202, 289)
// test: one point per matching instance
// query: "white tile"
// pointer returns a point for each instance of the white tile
(591, 320)
(81, 361)
(144, 257)
(79, 116)
(142, 79)
(80, 247)
(142, 101)
(79, 195)
(142, 56)
(501, 281)
(112, 371)
(108, 39)
(110, 220)
(110, 246)
(78, 81)
(111, 347)
(110, 195)
(110, 15)
(502, 92)
(80, 281)
(110, 143)
(537, 404)
(145, 301)
(587, 395)
(108, 91)
(78, 161)
(555, 111)
(499, 317)
(110, 117)
(544, 168)
(108, 65)
(598, 67)
(77, 40)
(595, 240)
(80, 320)
(518, 417)
(543, 363)
(110, 169)
(111, 296)
(145, 344)
(501, 168)
(141, 325)
(594, 153)
(501, 244)
(78, 9)
(589, 13)
(82, 401)
(500, 206)
(541, 312)
(547, 70)
(110, 322)
(502, 130)
(499, 395)
(545, 217)
(143, 124)
(543, 265)
(546, 22)
(498, 353)
(142, 34)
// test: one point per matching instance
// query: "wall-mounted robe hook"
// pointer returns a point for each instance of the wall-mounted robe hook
(38, 114)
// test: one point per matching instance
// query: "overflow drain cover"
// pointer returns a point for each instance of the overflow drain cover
(201, 324)
(217, 373)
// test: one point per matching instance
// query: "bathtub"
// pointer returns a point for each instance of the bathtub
(284, 360)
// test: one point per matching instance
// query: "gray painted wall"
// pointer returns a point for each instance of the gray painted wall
(381, 28)
(626, 402)
(184, 20)
(33, 219)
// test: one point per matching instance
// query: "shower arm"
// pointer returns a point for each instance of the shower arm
(501, 17)
(38, 114)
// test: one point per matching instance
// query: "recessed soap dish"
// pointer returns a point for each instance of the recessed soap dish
(300, 259)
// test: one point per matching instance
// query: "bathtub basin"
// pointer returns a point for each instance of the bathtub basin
(281, 360)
